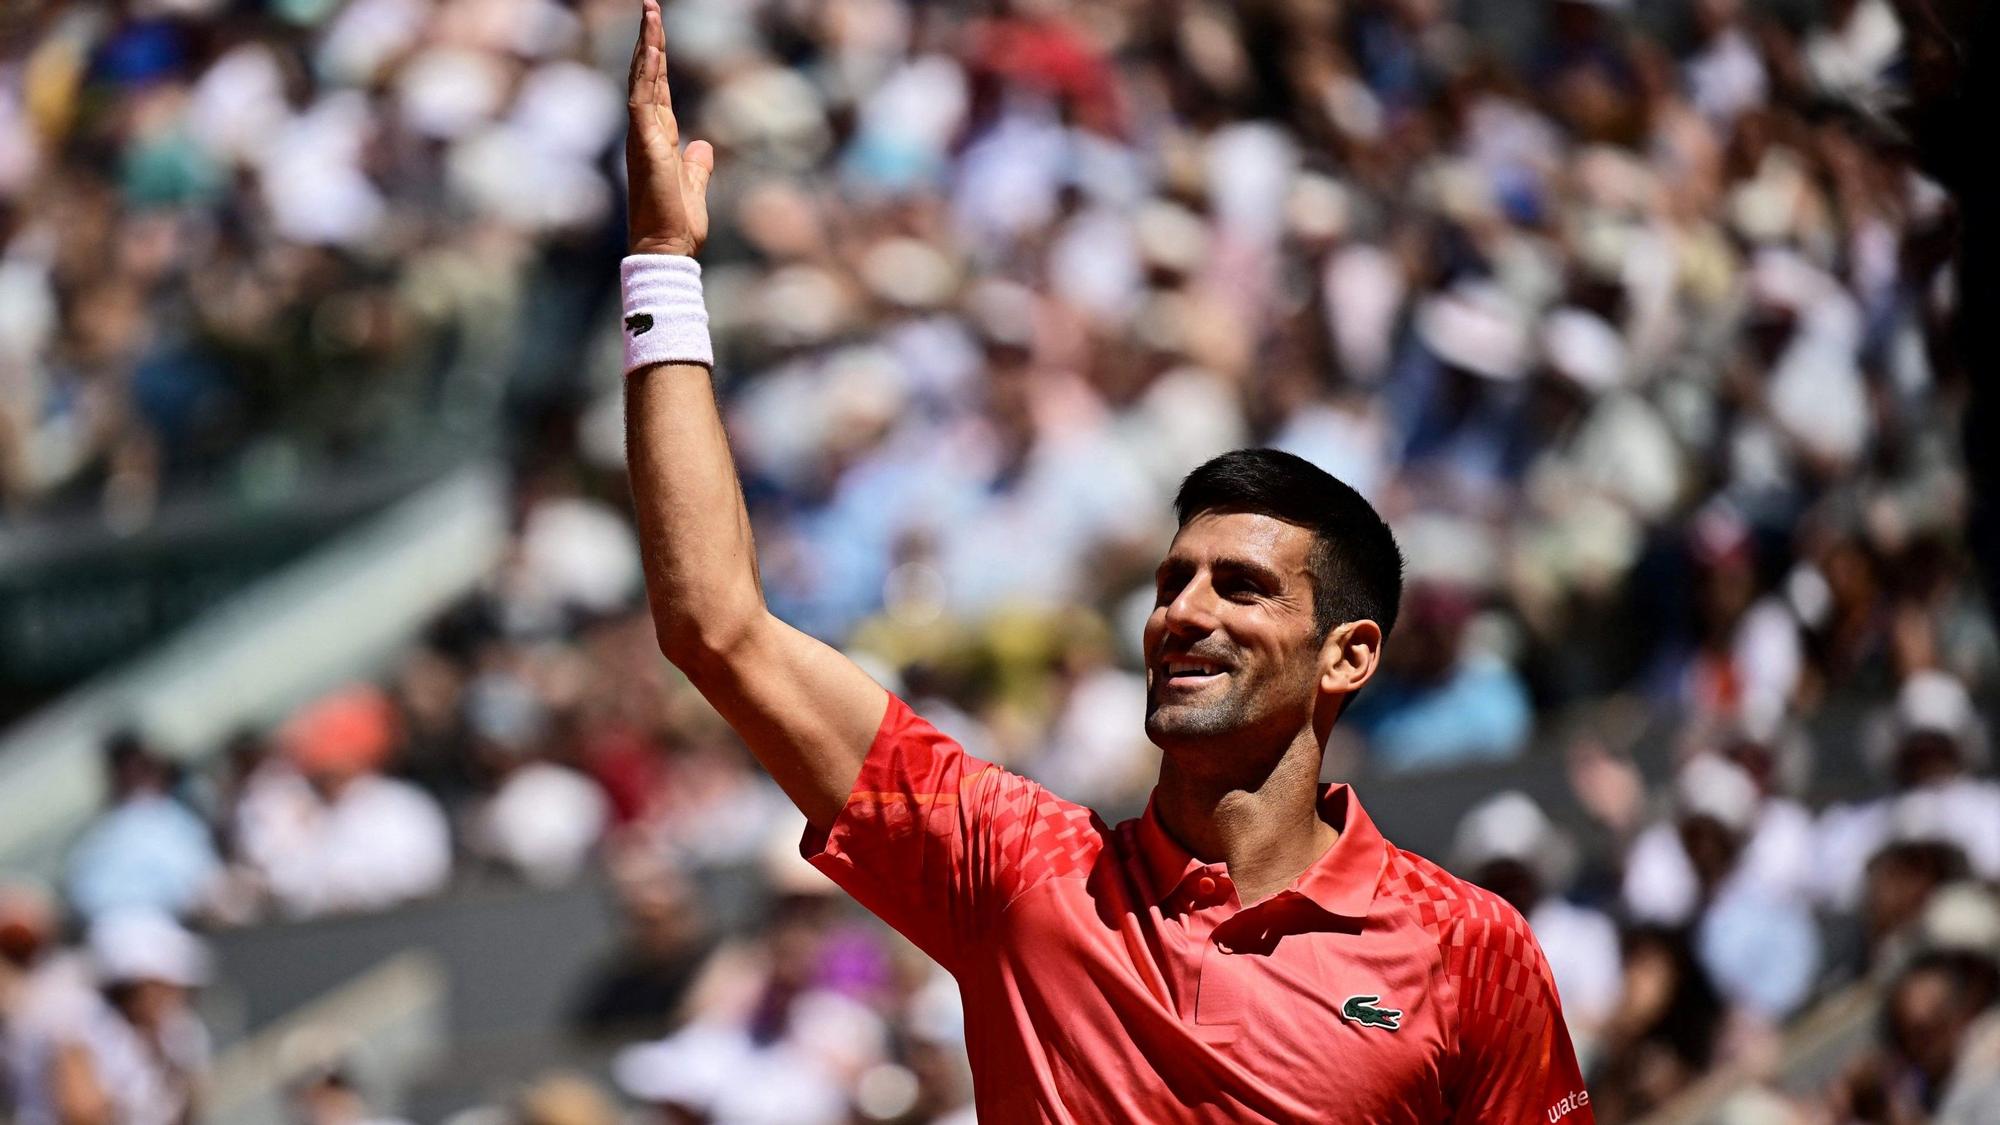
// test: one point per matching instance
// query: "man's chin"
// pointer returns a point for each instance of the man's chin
(1184, 722)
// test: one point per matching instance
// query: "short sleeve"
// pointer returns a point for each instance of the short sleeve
(937, 843)
(1515, 1060)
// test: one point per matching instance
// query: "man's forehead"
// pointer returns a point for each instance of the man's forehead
(1248, 535)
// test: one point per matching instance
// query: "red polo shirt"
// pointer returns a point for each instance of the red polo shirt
(1107, 975)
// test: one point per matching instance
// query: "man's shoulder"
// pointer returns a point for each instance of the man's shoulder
(1453, 910)
(1487, 952)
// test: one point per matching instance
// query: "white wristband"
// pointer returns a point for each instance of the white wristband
(665, 319)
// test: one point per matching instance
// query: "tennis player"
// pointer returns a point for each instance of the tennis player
(1251, 948)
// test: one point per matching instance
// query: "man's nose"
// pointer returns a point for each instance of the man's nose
(1192, 612)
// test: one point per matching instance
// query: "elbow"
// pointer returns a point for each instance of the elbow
(703, 644)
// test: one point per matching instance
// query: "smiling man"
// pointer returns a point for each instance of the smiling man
(1250, 949)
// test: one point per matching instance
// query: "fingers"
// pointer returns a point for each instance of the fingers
(651, 39)
(638, 55)
(648, 98)
(652, 31)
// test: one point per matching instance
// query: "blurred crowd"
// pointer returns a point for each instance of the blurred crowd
(242, 243)
(1639, 333)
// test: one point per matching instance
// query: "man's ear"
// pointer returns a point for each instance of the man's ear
(1349, 657)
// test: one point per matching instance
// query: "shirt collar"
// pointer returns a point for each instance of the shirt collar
(1341, 882)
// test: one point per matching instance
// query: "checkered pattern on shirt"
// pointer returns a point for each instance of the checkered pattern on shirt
(1044, 836)
(1491, 960)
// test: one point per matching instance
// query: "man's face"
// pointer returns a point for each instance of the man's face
(1927, 758)
(1927, 1021)
(1230, 646)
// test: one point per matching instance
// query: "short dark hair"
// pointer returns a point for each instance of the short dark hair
(1357, 569)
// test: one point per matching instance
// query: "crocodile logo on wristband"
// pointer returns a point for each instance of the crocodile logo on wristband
(638, 324)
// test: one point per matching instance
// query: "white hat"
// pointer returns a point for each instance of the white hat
(1584, 348)
(1763, 721)
(146, 945)
(1318, 206)
(1711, 786)
(1511, 825)
(1475, 326)
(1929, 702)
(1171, 236)
(1962, 916)
(1934, 702)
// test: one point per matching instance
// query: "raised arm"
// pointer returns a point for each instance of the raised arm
(807, 712)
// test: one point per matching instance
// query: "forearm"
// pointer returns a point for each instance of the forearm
(805, 711)
(694, 534)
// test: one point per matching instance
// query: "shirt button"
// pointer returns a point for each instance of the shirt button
(1205, 887)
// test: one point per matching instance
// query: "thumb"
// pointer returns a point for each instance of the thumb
(697, 165)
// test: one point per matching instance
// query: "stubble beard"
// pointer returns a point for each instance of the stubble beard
(1177, 722)
(1252, 703)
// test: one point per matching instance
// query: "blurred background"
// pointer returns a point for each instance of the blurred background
(341, 779)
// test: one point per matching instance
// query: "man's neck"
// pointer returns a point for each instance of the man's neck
(1266, 829)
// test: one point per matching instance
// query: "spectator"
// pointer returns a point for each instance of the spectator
(1935, 743)
(640, 989)
(325, 830)
(1662, 880)
(1439, 701)
(719, 1074)
(1670, 1024)
(147, 851)
(542, 819)
(1933, 1009)
(779, 1027)
(1967, 918)
(1756, 941)
(330, 1098)
(1901, 882)
(126, 1047)
(32, 980)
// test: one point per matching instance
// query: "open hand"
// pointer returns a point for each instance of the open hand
(668, 184)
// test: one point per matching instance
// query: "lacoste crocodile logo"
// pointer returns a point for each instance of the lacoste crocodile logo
(638, 324)
(1362, 1010)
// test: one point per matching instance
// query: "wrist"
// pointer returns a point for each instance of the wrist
(664, 318)
(675, 247)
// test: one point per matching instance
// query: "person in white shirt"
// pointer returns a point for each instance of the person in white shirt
(1930, 749)
(1662, 883)
(112, 1036)
(1754, 934)
(1509, 846)
(325, 830)
(542, 819)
